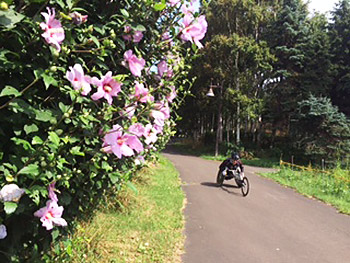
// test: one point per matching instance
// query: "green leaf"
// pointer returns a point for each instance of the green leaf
(53, 137)
(49, 80)
(26, 145)
(140, 28)
(159, 6)
(8, 91)
(30, 128)
(76, 151)
(10, 18)
(132, 187)
(31, 169)
(114, 177)
(10, 207)
(44, 115)
(95, 40)
(37, 140)
(124, 12)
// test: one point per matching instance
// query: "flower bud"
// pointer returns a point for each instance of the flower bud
(4, 6)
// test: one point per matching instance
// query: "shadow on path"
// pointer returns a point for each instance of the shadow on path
(224, 187)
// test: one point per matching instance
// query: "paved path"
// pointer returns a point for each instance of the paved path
(273, 224)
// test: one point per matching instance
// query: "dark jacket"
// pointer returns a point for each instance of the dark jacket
(231, 164)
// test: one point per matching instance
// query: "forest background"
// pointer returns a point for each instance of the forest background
(280, 79)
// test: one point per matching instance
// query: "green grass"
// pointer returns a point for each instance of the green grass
(147, 229)
(326, 187)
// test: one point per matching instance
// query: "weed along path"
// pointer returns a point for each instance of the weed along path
(273, 224)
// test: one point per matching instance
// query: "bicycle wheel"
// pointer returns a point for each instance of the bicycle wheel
(220, 178)
(245, 186)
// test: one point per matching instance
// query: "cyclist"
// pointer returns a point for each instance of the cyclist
(232, 163)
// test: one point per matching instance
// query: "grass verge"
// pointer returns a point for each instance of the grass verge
(331, 188)
(147, 228)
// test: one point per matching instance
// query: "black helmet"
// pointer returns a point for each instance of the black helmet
(235, 156)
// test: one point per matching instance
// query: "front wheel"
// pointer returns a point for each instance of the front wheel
(220, 178)
(245, 186)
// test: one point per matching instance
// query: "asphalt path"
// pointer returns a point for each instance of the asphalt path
(273, 224)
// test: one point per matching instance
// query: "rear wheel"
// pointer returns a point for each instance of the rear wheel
(220, 178)
(245, 186)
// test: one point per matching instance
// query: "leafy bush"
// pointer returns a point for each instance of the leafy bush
(85, 96)
(320, 130)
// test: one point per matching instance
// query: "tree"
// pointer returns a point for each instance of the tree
(320, 130)
(235, 57)
(339, 31)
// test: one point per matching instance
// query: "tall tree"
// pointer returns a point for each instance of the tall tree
(235, 57)
(339, 31)
(288, 37)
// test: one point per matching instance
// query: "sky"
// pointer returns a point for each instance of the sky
(322, 5)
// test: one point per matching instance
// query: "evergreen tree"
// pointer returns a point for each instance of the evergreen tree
(339, 31)
(320, 130)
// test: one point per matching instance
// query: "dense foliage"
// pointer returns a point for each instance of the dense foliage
(86, 92)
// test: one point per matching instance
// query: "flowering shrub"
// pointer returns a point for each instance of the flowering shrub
(86, 93)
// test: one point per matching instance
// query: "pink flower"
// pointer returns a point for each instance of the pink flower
(164, 108)
(142, 93)
(135, 64)
(127, 30)
(54, 33)
(158, 129)
(78, 18)
(137, 37)
(194, 30)
(107, 87)
(51, 215)
(120, 143)
(172, 95)
(162, 67)
(174, 2)
(129, 111)
(137, 129)
(52, 194)
(79, 81)
(139, 160)
(158, 117)
(150, 134)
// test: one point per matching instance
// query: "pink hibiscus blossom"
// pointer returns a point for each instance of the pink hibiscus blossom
(79, 81)
(136, 37)
(158, 117)
(172, 95)
(128, 111)
(54, 33)
(51, 215)
(137, 129)
(164, 108)
(139, 160)
(194, 30)
(107, 87)
(142, 93)
(121, 144)
(78, 18)
(52, 194)
(162, 67)
(174, 2)
(150, 134)
(135, 64)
